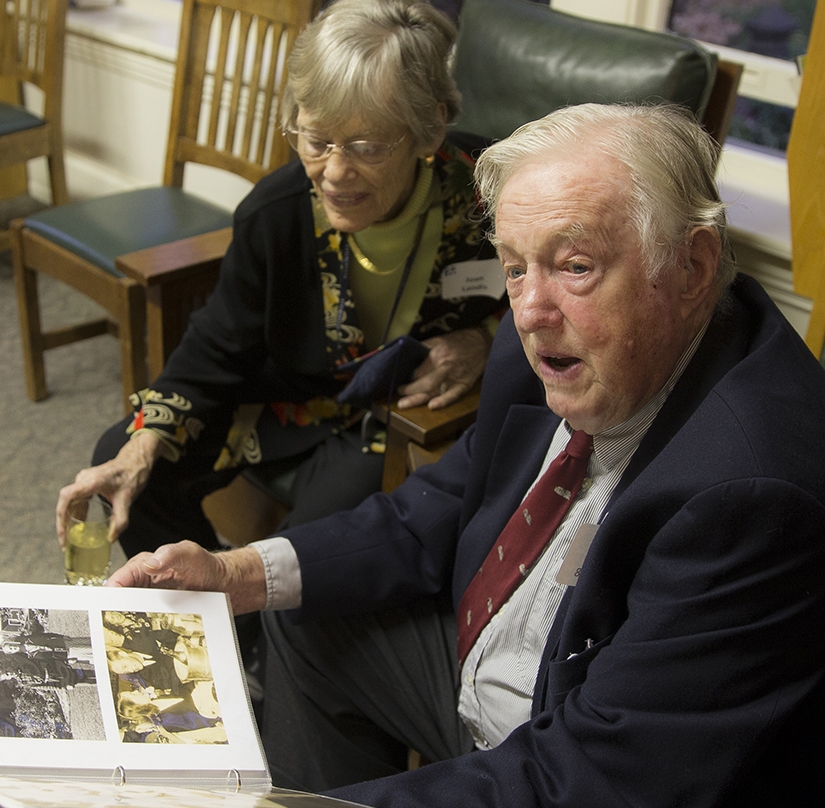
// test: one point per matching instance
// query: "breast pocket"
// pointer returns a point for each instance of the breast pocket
(564, 674)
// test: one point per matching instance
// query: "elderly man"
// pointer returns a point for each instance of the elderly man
(642, 628)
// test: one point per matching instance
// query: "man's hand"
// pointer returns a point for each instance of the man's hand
(119, 481)
(451, 368)
(186, 565)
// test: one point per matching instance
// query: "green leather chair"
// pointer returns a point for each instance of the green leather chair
(518, 60)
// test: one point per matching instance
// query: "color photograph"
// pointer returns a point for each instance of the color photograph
(161, 677)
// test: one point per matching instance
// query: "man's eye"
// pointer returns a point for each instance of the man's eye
(578, 268)
(513, 273)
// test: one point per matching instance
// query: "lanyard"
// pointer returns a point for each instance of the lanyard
(345, 257)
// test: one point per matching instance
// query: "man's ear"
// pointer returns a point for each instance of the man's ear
(704, 251)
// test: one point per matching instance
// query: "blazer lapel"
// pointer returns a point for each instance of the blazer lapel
(520, 450)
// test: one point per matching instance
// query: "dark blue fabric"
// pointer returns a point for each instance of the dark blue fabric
(681, 670)
(378, 373)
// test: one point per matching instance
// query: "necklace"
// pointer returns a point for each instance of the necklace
(365, 262)
(408, 263)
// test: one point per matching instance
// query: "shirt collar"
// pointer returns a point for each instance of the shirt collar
(617, 443)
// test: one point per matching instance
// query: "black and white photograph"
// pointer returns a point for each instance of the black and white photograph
(47, 675)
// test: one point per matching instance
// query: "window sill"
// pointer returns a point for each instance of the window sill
(148, 27)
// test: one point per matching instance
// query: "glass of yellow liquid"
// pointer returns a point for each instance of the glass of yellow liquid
(88, 549)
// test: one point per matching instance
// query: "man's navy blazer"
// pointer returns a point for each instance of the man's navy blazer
(686, 666)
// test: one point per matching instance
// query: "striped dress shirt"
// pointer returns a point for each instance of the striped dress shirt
(499, 674)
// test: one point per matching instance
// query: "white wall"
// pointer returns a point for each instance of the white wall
(119, 75)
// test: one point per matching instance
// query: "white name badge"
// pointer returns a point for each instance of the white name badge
(568, 574)
(469, 278)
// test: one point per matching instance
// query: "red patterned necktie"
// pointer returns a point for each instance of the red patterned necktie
(522, 540)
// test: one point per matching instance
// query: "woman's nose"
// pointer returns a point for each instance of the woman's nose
(338, 166)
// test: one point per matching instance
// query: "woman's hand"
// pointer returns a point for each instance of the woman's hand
(451, 368)
(186, 565)
(120, 480)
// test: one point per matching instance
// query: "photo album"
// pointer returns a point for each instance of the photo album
(127, 697)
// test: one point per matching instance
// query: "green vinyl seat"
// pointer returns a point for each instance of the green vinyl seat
(16, 119)
(101, 229)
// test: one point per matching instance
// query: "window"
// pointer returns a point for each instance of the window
(752, 178)
(769, 36)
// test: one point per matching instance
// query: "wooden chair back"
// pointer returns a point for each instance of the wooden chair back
(229, 85)
(32, 44)
(718, 113)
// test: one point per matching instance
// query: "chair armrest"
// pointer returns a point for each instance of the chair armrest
(425, 426)
(178, 278)
(430, 429)
(177, 259)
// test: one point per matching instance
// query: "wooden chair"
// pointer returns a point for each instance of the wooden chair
(230, 73)
(32, 42)
(806, 180)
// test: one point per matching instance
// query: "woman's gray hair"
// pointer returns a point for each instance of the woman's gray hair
(383, 61)
(670, 159)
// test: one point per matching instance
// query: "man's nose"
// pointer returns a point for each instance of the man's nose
(538, 304)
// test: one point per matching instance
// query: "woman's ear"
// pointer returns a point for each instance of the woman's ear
(431, 148)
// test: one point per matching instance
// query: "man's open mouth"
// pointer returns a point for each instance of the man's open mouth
(561, 362)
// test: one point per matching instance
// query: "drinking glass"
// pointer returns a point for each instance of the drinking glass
(87, 551)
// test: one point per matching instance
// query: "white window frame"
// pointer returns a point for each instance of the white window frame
(755, 181)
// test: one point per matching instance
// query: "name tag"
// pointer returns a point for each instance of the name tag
(571, 567)
(471, 278)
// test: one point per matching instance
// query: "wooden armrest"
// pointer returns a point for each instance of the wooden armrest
(178, 278)
(176, 260)
(432, 430)
(426, 426)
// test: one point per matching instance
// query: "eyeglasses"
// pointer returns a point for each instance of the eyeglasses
(370, 152)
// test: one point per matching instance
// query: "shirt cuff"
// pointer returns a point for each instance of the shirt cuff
(282, 571)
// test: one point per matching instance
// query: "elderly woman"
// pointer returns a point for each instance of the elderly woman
(332, 256)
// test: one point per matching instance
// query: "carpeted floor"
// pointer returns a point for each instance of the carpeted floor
(44, 444)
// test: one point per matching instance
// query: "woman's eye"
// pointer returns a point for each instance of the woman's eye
(315, 145)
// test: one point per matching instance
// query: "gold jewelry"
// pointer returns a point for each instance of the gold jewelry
(368, 265)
